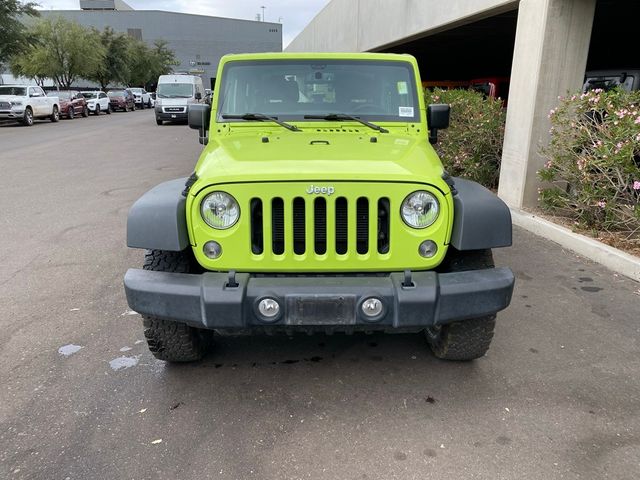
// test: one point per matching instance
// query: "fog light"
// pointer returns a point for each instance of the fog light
(269, 308)
(372, 307)
(428, 249)
(212, 250)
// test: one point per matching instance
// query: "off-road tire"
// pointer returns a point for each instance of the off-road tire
(167, 340)
(55, 114)
(27, 118)
(467, 339)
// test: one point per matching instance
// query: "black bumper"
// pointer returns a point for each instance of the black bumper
(171, 116)
(207, 300)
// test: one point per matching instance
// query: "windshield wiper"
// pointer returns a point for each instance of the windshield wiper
(261, 117)
(343, 116)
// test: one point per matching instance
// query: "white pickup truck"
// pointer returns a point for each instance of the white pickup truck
(26, 102)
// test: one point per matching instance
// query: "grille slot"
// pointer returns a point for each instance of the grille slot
(257, 236)
(342, 226)
(298, 226)
(320, 225)
(277, 226)
(384, 227)
(362, 225)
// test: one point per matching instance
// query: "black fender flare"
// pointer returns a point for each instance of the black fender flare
(157, 220)
(481, 220)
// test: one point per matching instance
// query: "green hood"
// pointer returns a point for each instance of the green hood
(319, 154)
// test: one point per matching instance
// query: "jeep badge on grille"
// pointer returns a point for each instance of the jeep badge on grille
(315, 190)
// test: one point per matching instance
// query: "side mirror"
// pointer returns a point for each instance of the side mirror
(198, 96)
(438, 115)
(199, 117)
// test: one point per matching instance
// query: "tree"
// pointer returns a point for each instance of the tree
(146, 63)
(115, 67)
(64, 51)
(13, 37)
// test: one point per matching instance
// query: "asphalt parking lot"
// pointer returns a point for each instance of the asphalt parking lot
(558, 395)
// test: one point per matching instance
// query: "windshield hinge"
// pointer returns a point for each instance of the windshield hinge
(448, 179)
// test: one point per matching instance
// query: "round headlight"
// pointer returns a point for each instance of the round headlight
(420, 209)
(220, 210)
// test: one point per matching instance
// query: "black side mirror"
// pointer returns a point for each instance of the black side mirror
(438, 115)
(199, 117)
(198, 96)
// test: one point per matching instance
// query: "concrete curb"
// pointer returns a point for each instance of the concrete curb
(610, 257)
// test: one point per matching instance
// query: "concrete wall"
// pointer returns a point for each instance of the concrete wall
(368, 25)
(196, 38)
(550, 56)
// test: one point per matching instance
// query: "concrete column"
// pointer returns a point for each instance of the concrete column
(549, 60)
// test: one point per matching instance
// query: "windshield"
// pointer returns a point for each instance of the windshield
(90, 94)
(291, 89)
(136, 90)
(60, 95)
(175, 90)
(114, 93)
(20, 91)
(625, 82)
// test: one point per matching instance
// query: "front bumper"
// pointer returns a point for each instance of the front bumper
(162, 115)
(12, 114)
(207, 300)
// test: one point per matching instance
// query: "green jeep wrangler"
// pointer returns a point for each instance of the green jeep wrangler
(318, 205)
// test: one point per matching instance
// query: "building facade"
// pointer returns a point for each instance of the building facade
(198, 41)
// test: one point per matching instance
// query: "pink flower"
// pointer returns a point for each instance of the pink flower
(636, 185)
(637, 122)
(602, 204)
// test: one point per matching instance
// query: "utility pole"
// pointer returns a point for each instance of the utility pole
(263, 7)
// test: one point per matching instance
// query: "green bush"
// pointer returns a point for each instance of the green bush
(472, 146)
(593, 162)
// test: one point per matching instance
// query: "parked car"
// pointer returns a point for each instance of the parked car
(97, 101)
(374, 236)
(174, 94)
(71, 103)
(152, 98)
(121, 100)
(26, 102)
(628, 80)
(141, 98)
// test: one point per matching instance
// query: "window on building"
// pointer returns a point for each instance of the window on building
(135, 33)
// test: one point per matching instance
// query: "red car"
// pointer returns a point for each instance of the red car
(71, 103)
(121, 100)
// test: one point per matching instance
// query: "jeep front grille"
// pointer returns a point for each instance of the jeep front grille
(321, 225)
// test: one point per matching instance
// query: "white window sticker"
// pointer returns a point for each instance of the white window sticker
(402, 88)
(405, 111)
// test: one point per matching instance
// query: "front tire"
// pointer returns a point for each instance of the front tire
(27, 118)
(468, 339)
(97, 112)
(55, 114)
(159, 121)
(71, 113)
(108, 109)
(167, 340)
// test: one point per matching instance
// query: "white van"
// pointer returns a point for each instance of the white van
(174, 94)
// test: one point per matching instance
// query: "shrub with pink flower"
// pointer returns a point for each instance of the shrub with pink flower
(472, 146)
(592, 169)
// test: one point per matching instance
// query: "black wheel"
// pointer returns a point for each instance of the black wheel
(27, 118)
(141, 105)
(467, 339)
(149, 104)
(159, 121)
(109, 110)
(174, 341)
(55, 114)
(85, 111)
(71, 113)
(97, 112)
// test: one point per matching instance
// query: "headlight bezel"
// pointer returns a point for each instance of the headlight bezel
(233, 202)
(434, 201)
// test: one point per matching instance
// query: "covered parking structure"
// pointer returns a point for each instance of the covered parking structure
(544, 46)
